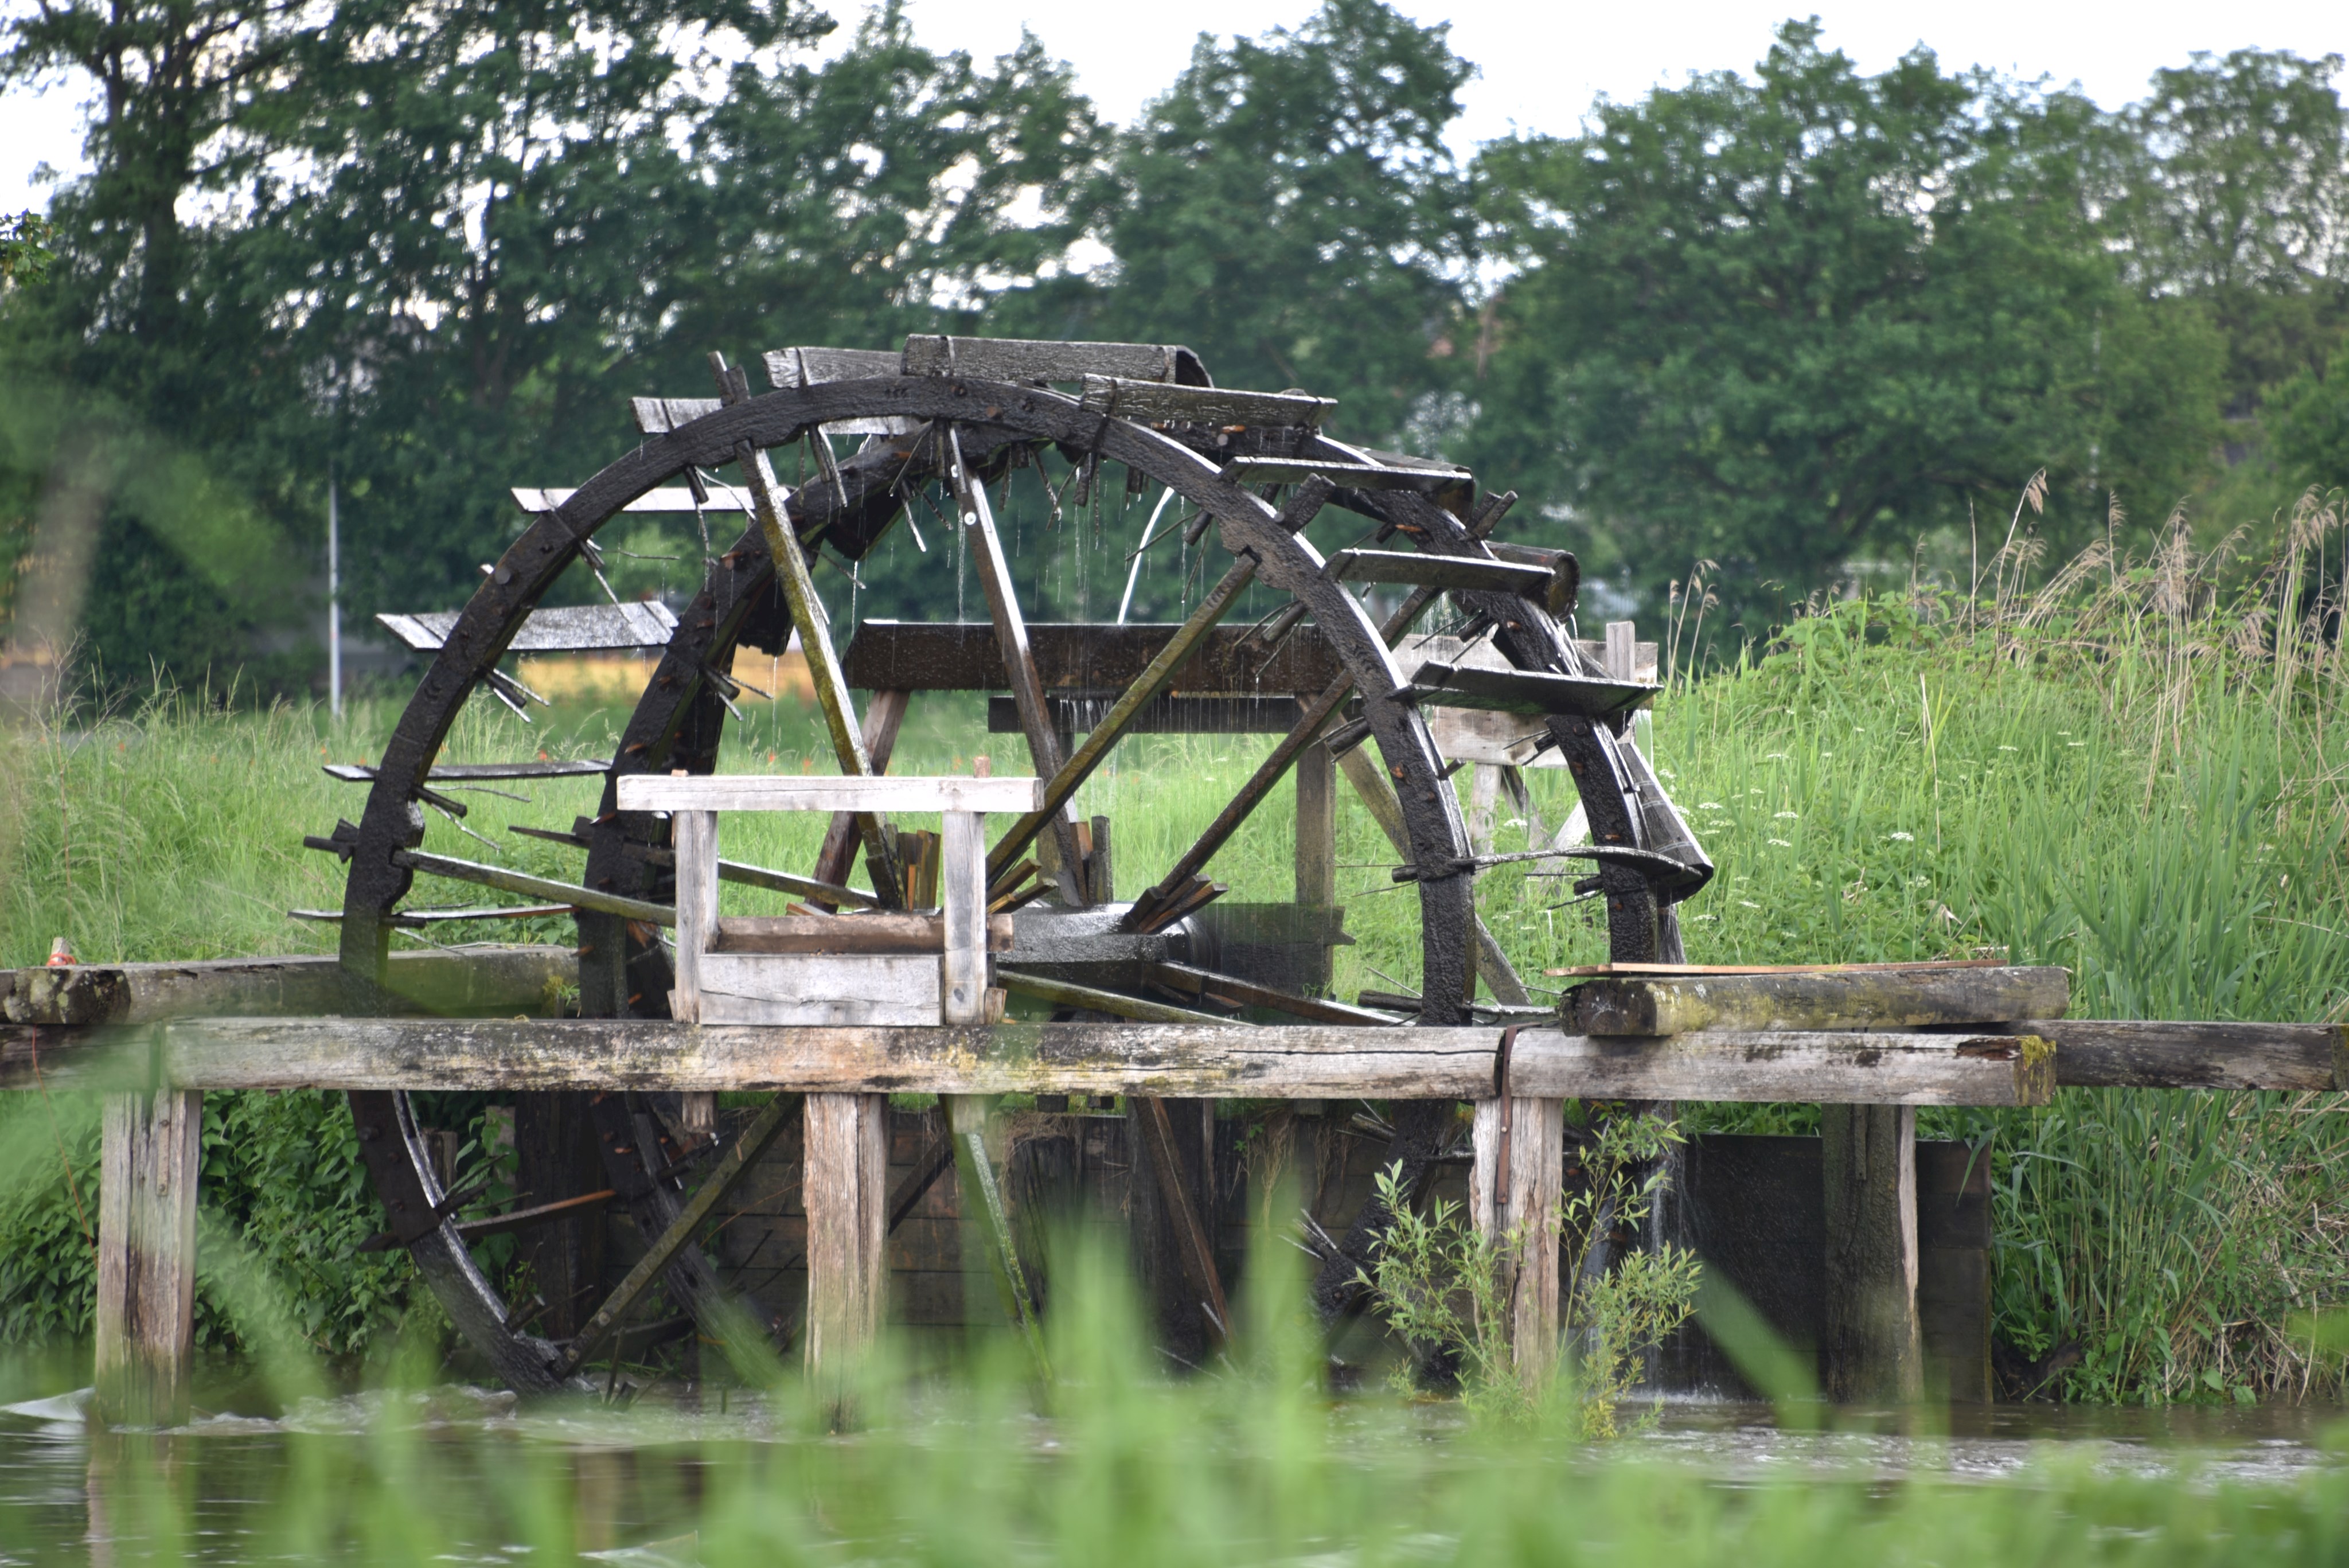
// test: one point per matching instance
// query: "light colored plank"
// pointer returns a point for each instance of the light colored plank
(816, 792)
(845, 1187)
(1317, 827)
(1525, 1226)
(962, 898)
(562, 628)
(496, 983)
(150, 1147)
(880, 931)
(1215, 1060)
(900, 989)
(1035, 359)
(695, 837)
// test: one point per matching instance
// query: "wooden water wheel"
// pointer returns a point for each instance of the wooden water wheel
(940, 422)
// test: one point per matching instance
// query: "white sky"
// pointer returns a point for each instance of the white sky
(1541, 64)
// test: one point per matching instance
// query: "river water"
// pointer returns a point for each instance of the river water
(633, 1478)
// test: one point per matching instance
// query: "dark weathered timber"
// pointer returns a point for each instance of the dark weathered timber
(535, 887)
(1529, 692)
(1196, 1252)
(1218, 408)
(2100, 1053)
(461, 773)
(1199, 984)
(900, 931)
(1031, 359)
(568, 629)
(145, 1312)
(1437, 572)
(738, 1156)
(1434, 478)
(488, 982)
(1872, 999)
(962, 656)
(1870, 1339)
(1162, 716)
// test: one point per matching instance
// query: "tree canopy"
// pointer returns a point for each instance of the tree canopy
(1803, 321)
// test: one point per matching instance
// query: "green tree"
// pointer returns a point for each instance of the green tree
(1786, 321)
(2241, 200)
(1289, 210)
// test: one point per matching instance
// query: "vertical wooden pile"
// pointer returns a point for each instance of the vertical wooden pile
(147, 1256)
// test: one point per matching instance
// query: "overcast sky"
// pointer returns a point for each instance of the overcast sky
(1540, 65)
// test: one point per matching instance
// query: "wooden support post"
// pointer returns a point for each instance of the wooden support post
(557, 1158)
(1483, 790)
(147, 1256)
(1870, 1339)
(883, 716)
(846, 1190)
(1317, 840)
(695, 834)
(1525, 1226)
(962, 889)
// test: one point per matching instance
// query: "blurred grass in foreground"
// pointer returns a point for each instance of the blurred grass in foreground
(1113, 1463)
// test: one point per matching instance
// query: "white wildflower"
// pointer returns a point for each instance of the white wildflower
(1782, 844)
(1774, 756)
(1711, 805)
(1749, 903)
(1790, 816)
(2006, 748)
(1902, 837)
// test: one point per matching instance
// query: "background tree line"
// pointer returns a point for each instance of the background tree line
(1803, 322)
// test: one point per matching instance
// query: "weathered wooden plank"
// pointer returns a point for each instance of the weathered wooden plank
(1447, 572)
(694, 835)
(1200, 984)
(1426, 479)
(1514, 1187)
(493, 982)
(816, 792)
(791, 369)
(2097, 1053)
(461, 773)
(845, 1187)
(1870, 1339)
(1216, 1060)
(565, 629)
(964, 656)
(1037, 359)
(522, 882)
(1147, 402)
(1873, 999)
(1166, 715)
(151, 1146)
(1316, 847)
(808, 990)
(1193, 1251)
(1525, 691)
(966, 933)
(891, 931)
(722, 498)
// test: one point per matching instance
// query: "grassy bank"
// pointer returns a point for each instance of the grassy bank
(2135, 769)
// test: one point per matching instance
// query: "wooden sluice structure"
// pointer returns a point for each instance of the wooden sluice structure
(1163, 996)
(155, 1072)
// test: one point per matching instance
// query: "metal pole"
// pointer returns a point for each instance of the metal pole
(334, 603)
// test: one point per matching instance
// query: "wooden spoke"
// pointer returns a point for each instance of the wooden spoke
(813, 626)
(1113, 725)
(1019, 661)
